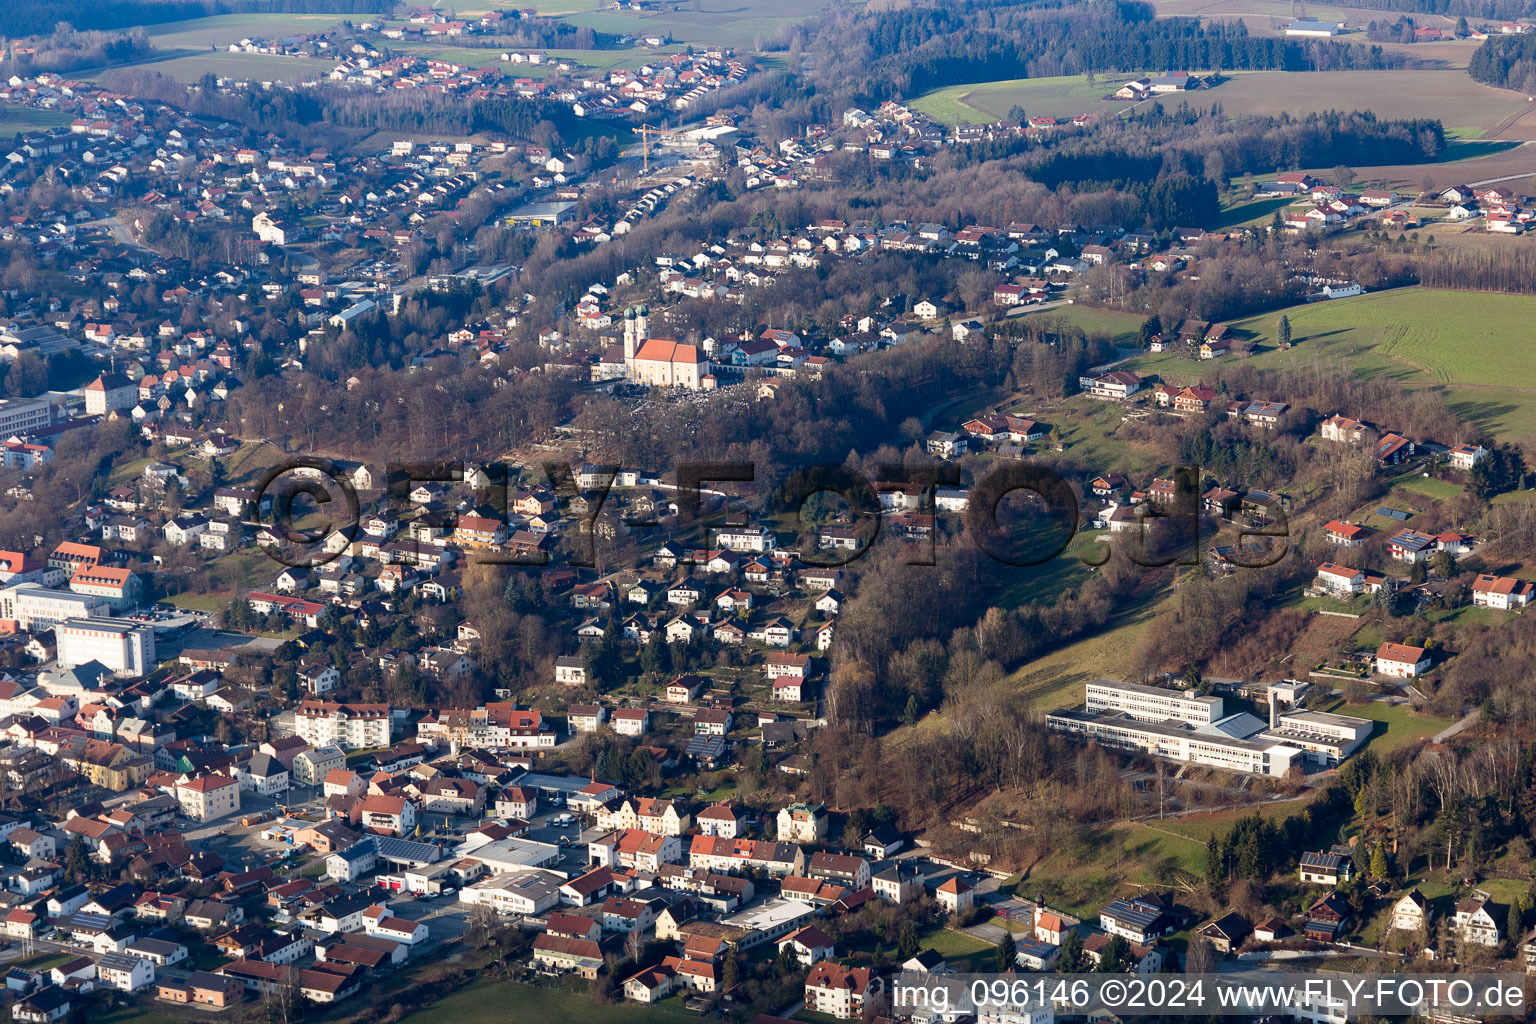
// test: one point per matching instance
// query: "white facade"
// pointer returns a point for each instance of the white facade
(348, 726)
(19, 415)
(1178, 743)
(122, 645)
(1152, 703)
(37, 608)
(208, 798)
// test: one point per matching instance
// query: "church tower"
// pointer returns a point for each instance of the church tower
(630, 344)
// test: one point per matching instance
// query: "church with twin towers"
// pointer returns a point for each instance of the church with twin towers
(660, 362)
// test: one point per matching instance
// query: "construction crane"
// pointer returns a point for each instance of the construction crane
(646, 131)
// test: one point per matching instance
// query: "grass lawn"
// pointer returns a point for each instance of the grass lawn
(1398, 725)
(1057, 679)
(1439, 490)
(43, 961)
(1087, 428)
(1504, 890)
(16, 118)
(1254, 211)
(143, 1010)
(964, 952)
(491, 1000)
(1418, 336)
(1121, 328)
(1081, 881)
(1198, 828)
(200, 602)
(123, 472)
(1358, 606)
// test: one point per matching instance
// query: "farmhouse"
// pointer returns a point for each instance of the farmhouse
(1401, 661)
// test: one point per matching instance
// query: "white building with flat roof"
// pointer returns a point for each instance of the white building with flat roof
(514, 855)
(123, 645)
(1326, 739)
(524, 893)
(770, 920)
(35, 607)
(1178, 742)
(22, 415)
(1153, 703)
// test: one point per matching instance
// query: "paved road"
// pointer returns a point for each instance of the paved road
(1465, 722)
(1037, 307)
(119, 232)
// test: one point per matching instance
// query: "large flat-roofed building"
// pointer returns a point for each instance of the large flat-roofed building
(35, 607)
(1326, 739)
(1314, 28)
(23, 415)
(122, 645)
(1178, 742)
(522, 893)
(1153, 703)
(769, 920)
(514, 855)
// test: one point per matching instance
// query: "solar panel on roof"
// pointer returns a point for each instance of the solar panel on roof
(1129, 913)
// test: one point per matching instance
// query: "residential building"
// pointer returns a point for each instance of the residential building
(208, 797)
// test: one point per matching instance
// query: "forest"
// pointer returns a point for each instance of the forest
(866, 55)
(66, 49)
(1508, 62)
(1492, 10)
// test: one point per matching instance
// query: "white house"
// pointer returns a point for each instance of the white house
(1475, 923)
(125, 972)
(1400, 661)
(1466, 456)
(1501, 592)
(1412, 912)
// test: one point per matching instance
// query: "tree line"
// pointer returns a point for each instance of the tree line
(1508, 62)
(873, 54)
(37, 17)
(66, 49)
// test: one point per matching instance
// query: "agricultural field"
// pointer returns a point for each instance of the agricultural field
(1269, 17)
(706, 22)
(1468, 109)
(1040, 97)
(222, 29)
(189, 66)
(1472, 345)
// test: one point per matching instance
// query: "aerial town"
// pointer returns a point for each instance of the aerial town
(667, 510)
